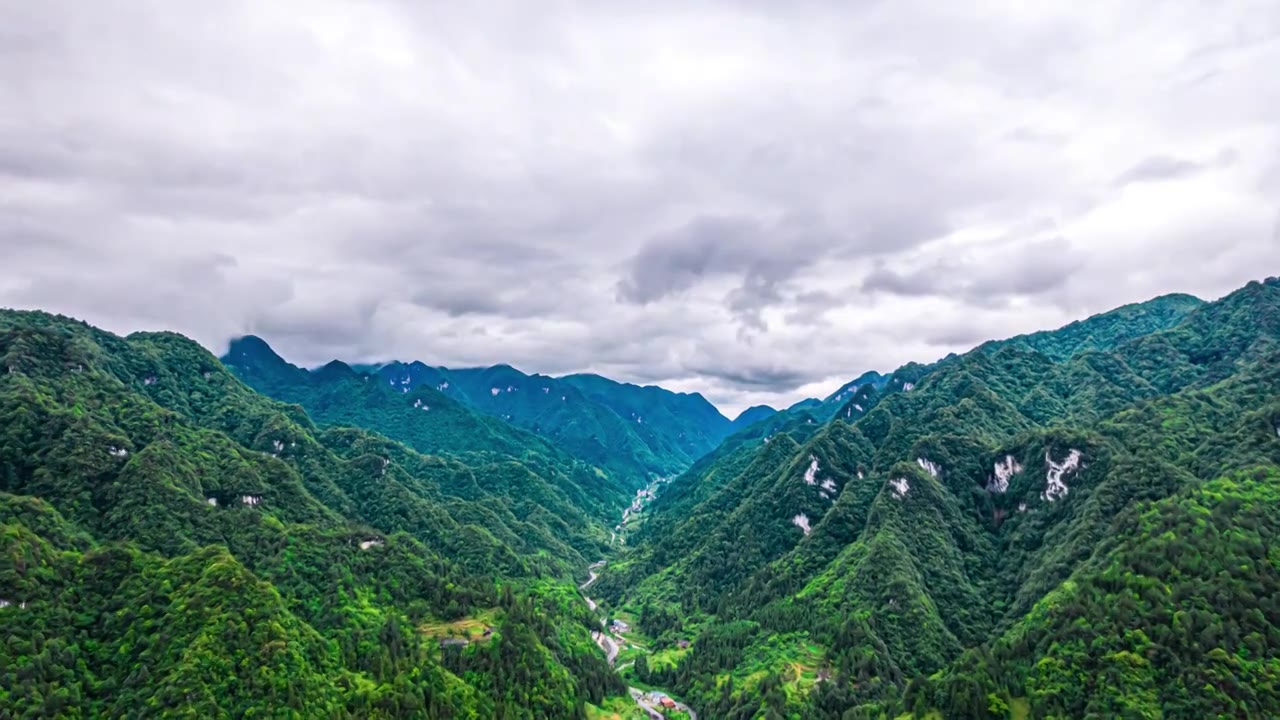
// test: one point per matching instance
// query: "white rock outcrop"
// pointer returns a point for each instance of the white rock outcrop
(1004, 471)
(1055, 487)
(494, 391)
(212, 501)
(366, 544)
(929, 466)
(801, 521)
(908, 387)
(900, 487)
(117, 451)
(251, 499)
(811, 475)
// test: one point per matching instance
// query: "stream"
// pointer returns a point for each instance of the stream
(648, 701)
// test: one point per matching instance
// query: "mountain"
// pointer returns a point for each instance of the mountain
(632, 433)
(752, 415)
(1072, 523)
(423, 418)
(173, 543)
(683, 426)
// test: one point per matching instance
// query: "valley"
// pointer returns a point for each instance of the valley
(390, 360)
(968, 538)
(612, 637)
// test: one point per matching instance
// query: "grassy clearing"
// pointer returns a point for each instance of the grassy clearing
(615, 708)
(468, 628)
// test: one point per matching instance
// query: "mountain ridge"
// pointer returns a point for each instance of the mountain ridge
(634, 432)
(788, 538)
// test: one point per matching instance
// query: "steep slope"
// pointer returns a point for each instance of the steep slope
(633, 433)
(564, 415)
(173, 543)
(425, 419)
(937, 511)
(680, 425)
(751, 416)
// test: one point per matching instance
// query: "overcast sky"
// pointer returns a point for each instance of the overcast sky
(754, 200)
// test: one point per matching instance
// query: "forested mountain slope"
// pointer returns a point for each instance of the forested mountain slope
(633, 433)
(752, 415)
(424, 418)
(954, 538)
(173, 543)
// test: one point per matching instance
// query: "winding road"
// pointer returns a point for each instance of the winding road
(610, 647)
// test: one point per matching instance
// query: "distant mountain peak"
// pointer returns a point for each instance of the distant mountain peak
(753, 415)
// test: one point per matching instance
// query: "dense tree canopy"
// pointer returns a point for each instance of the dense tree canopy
(1075, 523)
(173, 543)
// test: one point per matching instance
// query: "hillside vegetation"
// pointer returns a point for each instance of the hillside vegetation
(630, 433)
(172, 543)
(1075, 523)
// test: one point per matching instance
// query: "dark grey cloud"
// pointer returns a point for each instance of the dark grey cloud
(759, 256)
(1021, 269)
(775, 379)
(751, 200)
(1164, 167)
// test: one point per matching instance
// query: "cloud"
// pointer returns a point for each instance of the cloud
(756, 201)
(1156, 168)
(991, 273)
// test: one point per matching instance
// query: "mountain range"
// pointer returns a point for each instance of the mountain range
(1079, 522)
(630, 432)
(1072, 523)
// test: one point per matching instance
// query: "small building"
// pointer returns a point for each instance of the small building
(619, 626)
(454, 642)
(667, 703)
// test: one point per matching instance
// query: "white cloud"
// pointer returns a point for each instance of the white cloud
(502, 182)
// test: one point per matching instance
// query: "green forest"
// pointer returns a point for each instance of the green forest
(175, 544)
(1074, 523)
(1077, 523)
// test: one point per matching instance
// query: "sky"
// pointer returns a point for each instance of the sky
(757, 201)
